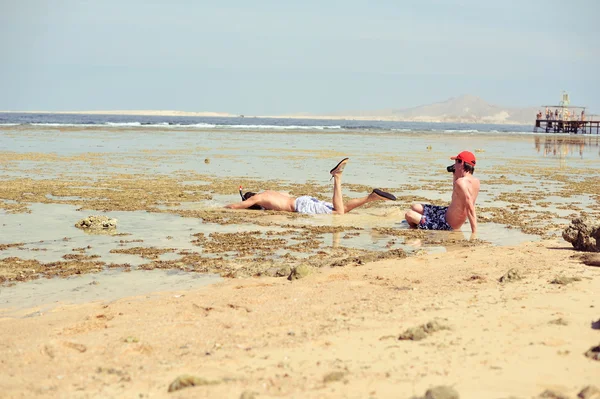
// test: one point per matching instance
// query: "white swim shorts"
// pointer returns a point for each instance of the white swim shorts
(313, 206)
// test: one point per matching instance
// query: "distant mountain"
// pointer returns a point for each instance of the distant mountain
(463, 109)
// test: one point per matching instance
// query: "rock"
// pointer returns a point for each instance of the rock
(283, 271)
(591, 259)
(300, 271)
(560, 322)
(593, 353)
(206, 160)
(441, 392)
(124, 376)
(589, 392)
(422, 331)
(562, 280)
(583, 234)
(549, 393)
(185, 381)
(96, 223)
(510, 276)
(333, 376)
(78, 347)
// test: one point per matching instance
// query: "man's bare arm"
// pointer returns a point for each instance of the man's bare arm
(470, 205)
(472, 215)
(244, 204)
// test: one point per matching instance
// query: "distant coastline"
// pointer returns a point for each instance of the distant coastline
(426, 119)
(463, 109)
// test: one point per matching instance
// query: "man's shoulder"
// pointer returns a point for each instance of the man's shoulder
(468, 178)
(462, 181)
(465, 182)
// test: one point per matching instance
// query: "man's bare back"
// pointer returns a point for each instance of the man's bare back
(464, 194)
(269, 200)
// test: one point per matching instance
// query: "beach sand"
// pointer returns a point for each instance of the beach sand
(332, 334)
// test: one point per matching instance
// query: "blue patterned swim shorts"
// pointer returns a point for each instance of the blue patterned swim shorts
(434, 218)
(313, 206)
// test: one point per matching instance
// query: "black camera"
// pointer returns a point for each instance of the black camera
(451, 168)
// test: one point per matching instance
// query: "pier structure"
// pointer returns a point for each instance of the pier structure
(566, 118)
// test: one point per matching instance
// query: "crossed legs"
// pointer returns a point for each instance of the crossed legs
(413, 216)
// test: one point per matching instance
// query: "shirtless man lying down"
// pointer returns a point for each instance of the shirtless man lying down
(276, 201)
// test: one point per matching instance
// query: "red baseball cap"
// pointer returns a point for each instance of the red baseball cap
(466, 157)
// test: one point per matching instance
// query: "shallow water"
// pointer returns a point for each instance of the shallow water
(387, 159)
(377, 158)
(33, 298)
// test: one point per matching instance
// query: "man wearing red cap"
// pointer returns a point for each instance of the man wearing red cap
(462, 207)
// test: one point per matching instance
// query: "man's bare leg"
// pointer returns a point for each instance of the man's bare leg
(339, 207)
(417, 208)
(356, 202)
(338, 200)
(413, 218)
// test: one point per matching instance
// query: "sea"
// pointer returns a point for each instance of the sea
(249, 123)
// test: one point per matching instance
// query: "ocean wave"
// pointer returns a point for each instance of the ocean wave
(281, 127)
(123, 124)
(60, 124)
(181, 125)
(461, 131)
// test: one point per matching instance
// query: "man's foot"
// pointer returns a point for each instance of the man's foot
(384, 194)
(339, 168)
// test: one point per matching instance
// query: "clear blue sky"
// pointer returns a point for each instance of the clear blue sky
(276, 57)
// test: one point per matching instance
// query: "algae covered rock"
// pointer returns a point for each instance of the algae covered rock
(593, 353)
(422, 331)
(583, 234)
(441, 392)
(185, 381)
(511, 275)
(94, 222)
(589, 392)
(300, 271)
(333, 376)
(563, 280)
(591, 259)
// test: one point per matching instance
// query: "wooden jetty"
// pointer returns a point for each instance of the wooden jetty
(559, 126)
(566, 118)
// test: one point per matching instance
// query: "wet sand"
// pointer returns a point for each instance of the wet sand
(333, 333)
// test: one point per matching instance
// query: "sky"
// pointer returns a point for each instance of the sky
(286, 57)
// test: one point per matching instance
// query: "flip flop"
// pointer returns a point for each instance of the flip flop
(385, 195)
(339, 168)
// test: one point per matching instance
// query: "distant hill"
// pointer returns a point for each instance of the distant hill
(463, 109)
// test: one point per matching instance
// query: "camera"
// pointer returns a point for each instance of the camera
(450, 168)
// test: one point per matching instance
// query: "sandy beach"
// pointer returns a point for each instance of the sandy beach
(292, 306)
(331, 334)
